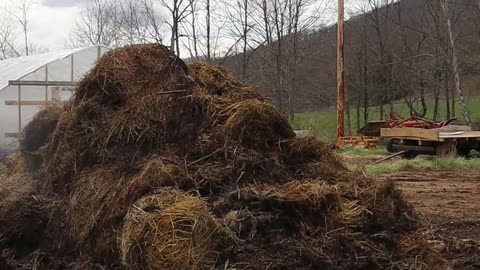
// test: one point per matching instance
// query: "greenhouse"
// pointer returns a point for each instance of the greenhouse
(30, 82)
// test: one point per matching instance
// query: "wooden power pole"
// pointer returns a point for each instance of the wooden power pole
(340, 72)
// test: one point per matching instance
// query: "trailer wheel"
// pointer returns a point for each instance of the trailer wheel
(389, 145)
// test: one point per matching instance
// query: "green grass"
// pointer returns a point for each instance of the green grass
(425, 164)
(3, 168)
(324, 123)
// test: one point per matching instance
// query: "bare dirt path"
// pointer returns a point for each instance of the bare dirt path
(449, 207)
(441, 197)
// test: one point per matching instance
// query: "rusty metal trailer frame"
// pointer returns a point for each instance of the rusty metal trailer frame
(438, 142)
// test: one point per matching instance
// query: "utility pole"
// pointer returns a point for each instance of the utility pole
(340, 72)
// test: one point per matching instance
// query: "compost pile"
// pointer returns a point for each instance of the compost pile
(158, 165)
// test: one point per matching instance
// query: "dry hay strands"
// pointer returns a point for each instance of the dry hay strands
(23, 213)
(218, 81)
(257, 125)
(38, 131)
(389, 210)
(37, 134)
(310, 203)
(95, 211)
(300, 152)
(130, 72)
(14, 164)
(172, 230)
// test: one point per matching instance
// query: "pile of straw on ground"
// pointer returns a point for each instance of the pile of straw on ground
(158, 165)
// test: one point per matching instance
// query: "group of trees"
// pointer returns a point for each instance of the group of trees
(405, 50)
(411, 51)
(212, 31)
(14, 30)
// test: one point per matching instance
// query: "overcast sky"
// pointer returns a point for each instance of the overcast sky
(52, 20)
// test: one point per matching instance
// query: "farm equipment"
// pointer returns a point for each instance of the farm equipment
(417, 136)
(362, 142)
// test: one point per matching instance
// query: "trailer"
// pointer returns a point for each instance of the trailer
(450, 140)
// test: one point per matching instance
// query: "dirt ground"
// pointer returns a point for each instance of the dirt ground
(448, 205)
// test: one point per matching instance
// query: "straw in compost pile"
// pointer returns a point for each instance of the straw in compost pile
(158, 165)
(36, 135)
(171, 230)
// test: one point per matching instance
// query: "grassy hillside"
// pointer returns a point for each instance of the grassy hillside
(324, 123)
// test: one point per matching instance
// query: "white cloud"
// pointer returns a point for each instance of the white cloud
(50, 26)
(60, 3)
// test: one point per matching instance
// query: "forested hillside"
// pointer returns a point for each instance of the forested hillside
(394, 51)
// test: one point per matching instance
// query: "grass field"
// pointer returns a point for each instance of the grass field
(419, 164)
(425, 164)
(324, 123)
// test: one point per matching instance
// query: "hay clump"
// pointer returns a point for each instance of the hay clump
(172, 230)
(36, 135)
(135, 97)
(144, 132)
(257, 125)
(23, 213)
(217, 81)
(37, 132)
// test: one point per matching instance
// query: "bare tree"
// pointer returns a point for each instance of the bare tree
(179, 11)
(134, 22)
(238, 27)
(456, 73)
(24, 7)
(279, 25)
(7, 37)
(208, 23)
(99, 24)
(154, 20)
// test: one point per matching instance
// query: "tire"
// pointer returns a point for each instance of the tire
(389, 145)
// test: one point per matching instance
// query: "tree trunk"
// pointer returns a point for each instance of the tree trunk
(365, 73)
(26, 39)
(382, 113)
(209, 56)
(447, 92)
(347, 110)
(456, 73)
(435, 106)
(423, 113)
(194, 29)
(245, 40)
(172, 39)
(357, 116)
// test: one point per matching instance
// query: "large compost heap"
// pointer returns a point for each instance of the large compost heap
(154, 164)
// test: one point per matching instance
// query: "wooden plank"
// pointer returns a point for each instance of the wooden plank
(390, 157)
(46, 81)
(42, 83)
(411, 133)
(19, 108)
(12, 135)
(460, 135)
(25, 102)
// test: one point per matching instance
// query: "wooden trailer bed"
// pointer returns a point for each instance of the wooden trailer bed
(448, 141)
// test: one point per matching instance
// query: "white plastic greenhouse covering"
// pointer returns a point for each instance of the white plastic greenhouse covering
(29, 82)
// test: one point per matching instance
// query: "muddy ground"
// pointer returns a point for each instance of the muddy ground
(448, 205)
